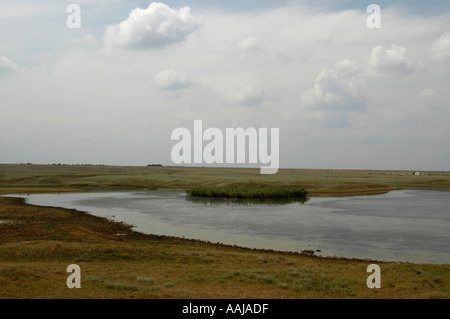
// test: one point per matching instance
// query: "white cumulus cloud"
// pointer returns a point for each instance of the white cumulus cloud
(336, 89)
(250, 44)
(155, 27)
(440, 49)
(392, 61)
(173, 80)
(6, 65)
(249, 95)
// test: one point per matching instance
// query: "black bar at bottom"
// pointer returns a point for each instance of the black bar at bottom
(212, 308)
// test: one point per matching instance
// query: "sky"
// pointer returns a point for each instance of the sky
(111, 92)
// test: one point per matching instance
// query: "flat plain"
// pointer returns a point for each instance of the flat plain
(38, 243)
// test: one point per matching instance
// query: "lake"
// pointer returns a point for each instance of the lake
(403, 225)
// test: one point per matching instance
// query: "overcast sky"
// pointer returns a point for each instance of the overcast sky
(112, 91)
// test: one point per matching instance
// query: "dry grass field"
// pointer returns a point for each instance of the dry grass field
(38, 243)
(60, 178)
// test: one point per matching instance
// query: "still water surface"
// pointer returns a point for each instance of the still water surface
(403, 225)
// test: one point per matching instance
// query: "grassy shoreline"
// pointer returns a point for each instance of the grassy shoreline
(38, 243)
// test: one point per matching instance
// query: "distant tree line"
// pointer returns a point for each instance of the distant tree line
(62, 164)
(59, 164)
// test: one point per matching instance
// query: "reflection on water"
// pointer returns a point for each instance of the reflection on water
(213, 201)
(401, 225)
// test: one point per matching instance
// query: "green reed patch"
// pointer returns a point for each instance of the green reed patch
(272, 193)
